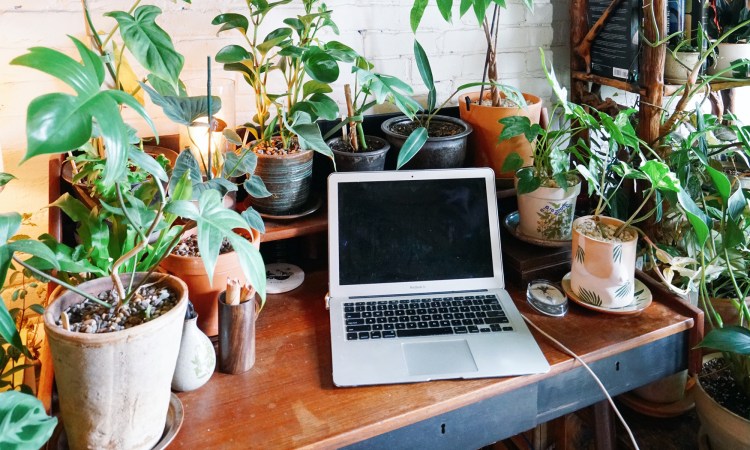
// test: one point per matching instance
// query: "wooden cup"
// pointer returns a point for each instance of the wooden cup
(236, 336)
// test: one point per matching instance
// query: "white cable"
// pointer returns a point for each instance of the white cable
(601, 386)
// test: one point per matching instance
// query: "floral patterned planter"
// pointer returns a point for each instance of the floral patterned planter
(547, 213)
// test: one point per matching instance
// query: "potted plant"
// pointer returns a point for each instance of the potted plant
(114, 337)
(604, 247)
(547, 189)
(354, 150)
(284, 128)
(483, 109)
(428, 140)
(728, 22)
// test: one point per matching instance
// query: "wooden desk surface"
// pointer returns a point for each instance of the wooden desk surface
(288, 399)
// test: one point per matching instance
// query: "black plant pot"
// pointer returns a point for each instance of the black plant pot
(438, 152)
(361, 161)
(288, 179)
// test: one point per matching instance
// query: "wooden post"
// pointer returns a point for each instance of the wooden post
(350, 111)
(652, 73)
(578, 29)
(236, 336)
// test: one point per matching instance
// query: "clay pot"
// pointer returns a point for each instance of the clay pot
(674, 70)
(547, 213)
(202, 291)
(726, 54)
(602, 273)
(438, 152)
(487, 151)
(114, 388)
(288, 178)
(725, 429)
(361, 161)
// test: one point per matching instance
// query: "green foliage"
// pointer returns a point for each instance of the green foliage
(306, 63)
(727, 14)
(23, 422)
(734, 339)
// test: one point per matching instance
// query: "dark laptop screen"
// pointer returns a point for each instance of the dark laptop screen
(413, 230)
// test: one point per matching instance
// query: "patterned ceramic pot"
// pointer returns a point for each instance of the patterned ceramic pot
(196, 360)
(547, 213)
(602, 271)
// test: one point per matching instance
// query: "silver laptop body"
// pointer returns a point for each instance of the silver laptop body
(399, 240)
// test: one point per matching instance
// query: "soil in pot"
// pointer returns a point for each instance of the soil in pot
(149, 302)
(276, 147)
(717, 381)
(436, 128)
(348, 160)
(188, 246)
(373, 144)
(604, 232)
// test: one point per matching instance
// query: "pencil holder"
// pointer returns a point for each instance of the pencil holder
(236, 335)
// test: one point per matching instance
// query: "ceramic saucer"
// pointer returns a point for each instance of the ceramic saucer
(511, 224)
(313, 203)
(641, 300)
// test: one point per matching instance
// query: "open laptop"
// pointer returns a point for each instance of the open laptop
(416, 280)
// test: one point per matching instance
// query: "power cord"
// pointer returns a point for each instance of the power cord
(596, 379)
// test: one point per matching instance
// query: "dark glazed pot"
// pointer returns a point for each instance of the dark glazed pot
(360, 161)
(288, 179)
(438, 152)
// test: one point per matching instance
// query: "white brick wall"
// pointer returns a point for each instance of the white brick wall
(379, 28)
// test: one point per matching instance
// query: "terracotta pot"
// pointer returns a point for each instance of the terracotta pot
(602, 273)
(288, 178)
(437, 152)
(114, 388)
(202, 291)
(361, 161)
(674, 70)
(547, 213)
(725, 429)
(488, 152)
(665, 390)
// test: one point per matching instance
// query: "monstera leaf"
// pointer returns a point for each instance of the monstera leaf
(58, 123)
(183, 110)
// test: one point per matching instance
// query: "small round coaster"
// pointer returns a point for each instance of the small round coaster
(546, 298)
(283, 277)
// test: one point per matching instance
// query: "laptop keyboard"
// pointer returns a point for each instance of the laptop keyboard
(389, 319)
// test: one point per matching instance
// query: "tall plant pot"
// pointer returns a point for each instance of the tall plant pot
(438, 152)
(202, 291)
(487, 151)
(724, 429)
(114, 388)
(547, 212)
(288, 178)
(602, 272)
(677, 70)
(362, 160)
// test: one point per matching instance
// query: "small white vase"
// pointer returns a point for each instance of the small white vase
(196, 360)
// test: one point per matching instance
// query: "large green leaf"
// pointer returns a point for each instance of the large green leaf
(732, 339)
(255, 187)
(660, 176)
(231, 21)
(34, 248)
(83, 78)
(23, 422)
(56, 123)
(446, 8)
(320, 66)
(341, 52)
(147, 163)
(149, 43)
(721, 182)
(116, 133)
(236, 165)
(514, 126)
(251, 262)
(416, 13)
(324, 106)
(411, 146)
(233, 54)
(699, 227)
(254, 220)
(185, 164)
(423, 65)
(383, 87)
(309, 137)
(736, 204)
(5, 178)
(315, 87)
(183, 110)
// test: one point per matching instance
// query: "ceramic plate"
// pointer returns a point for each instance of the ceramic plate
(175, 415)
(511, 224)
(314, 202)
(641, 301)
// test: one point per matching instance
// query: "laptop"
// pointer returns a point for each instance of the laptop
(416, 280)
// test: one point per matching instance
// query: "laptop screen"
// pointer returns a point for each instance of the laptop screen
(413, 230)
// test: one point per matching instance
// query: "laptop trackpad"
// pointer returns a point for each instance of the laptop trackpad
(425, 358)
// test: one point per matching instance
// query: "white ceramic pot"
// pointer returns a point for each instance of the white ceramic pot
(602, 273)
(726, 54)
(196, 360)
(677, 70)
(725, 429)
(114, 388)
(547, 213)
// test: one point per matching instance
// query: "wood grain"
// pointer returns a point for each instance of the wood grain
(288, 400)
(236, 336)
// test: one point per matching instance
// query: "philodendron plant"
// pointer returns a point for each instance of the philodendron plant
(138, 230)
(306, 64)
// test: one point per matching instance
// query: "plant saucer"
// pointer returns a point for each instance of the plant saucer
(511, 224)
(642, 299)
(313, 203)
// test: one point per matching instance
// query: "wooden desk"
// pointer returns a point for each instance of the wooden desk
(288, 399)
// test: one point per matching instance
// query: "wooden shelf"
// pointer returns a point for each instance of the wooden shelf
(314, 223)
(604, 81)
